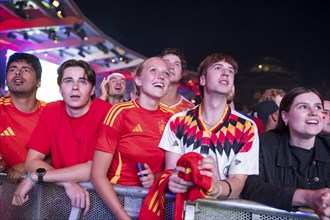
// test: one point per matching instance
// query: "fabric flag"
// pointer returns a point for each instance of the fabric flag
(153, 205)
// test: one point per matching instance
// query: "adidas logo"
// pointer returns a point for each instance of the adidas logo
(137, 128)
(8, 132)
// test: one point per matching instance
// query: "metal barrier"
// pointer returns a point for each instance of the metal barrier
(238, 209)
(49, 201)
(7, 210)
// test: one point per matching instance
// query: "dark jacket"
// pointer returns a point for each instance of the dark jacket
(277, 179)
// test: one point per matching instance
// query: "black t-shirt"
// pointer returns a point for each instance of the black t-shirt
(302, 161)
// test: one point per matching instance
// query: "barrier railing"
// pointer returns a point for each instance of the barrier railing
(49, 201)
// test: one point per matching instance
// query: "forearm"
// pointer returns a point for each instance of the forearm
(34, 164)
(301, 196)
(257, 189)
(106, 192)
(231, 187)
(75, 174)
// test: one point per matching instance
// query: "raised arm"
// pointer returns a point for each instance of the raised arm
(104, 89)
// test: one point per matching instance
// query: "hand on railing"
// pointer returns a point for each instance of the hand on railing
(322, 202)
(78, 195)
(21, 192)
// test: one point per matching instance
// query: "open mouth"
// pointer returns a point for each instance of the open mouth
(225, 82)
(159, 85)
(18, 81)
(312, 122)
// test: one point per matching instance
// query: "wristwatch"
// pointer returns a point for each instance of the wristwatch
(40, 173)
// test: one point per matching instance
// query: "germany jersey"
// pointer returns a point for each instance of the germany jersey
(132, 134)
(233, 142)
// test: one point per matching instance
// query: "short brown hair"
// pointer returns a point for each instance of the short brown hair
(89, 72)
(176, 52)
(209, 61)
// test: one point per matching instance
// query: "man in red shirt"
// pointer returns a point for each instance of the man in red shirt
(67, 130)
(19, 112)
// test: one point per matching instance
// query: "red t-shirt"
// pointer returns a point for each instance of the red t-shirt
(15, 130)
(70, 140)
(132, 134)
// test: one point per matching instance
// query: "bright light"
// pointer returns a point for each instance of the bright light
(49, 90)
(260, 66)
(56, 3)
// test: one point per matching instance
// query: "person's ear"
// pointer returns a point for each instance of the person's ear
(137, 81)
(39, 83)
(93, 91)
(202, 80)
(284, 116)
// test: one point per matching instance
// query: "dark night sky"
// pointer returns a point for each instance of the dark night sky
(295, 31)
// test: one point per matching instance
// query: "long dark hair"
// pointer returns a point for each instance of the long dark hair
(287, 102)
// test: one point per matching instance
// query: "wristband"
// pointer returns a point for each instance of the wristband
(220, 191)
(30, 177)
(230, 189)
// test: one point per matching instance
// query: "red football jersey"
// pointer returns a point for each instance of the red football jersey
(132, 134)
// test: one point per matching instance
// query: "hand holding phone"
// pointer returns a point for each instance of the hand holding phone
(140, 168)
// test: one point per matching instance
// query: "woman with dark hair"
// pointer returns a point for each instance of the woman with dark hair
(294, 163)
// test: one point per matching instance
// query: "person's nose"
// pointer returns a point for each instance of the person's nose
(75, 86)
(313, 111)
(160, 75)
(171, 66)
(18, 72)
(225, 72)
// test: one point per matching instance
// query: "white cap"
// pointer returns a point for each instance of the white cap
(115, 74)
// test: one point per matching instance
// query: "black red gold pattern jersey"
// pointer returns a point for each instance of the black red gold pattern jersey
(233, 139)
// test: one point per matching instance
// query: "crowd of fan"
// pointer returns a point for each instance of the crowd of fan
(141, 142)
